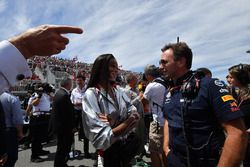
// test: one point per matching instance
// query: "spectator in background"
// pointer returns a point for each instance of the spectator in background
(206, 72)
(14, 126)
(154, 95)
(147, 114)
(39, 121)
(63, 122)
(76, 98)
(133, 93)
(241, 78)
(27, 105)
(232, 89)
(3, 151)
(132, 83)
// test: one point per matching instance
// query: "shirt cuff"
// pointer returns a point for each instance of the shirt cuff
(12, 63)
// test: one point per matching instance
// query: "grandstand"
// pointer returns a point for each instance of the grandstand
(53, 69)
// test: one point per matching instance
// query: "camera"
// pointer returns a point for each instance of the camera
(41, 88)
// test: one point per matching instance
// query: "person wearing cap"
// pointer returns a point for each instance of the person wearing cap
(44, 40)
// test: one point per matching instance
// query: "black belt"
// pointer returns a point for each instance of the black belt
(41, 113)
(183, 158)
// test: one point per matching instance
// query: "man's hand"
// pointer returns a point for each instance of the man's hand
(20, 136)
(3, 159)
(74, 130)
(44, 40)
(166, 138)
(166, 150)
(78, 104)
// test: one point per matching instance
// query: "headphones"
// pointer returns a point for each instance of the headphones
(243, 76)
(190, 88)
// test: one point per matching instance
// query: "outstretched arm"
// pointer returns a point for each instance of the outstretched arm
(44, 40)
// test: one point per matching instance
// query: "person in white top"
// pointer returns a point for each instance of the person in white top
(44, 40)
(154, 95)
(76, 99)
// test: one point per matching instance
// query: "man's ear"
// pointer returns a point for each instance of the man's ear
(181, 62)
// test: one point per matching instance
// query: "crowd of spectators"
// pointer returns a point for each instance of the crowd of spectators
(71, 66)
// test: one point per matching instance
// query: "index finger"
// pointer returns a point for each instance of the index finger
(67, 29)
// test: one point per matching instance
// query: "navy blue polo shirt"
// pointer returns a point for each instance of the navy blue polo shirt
(213, 103)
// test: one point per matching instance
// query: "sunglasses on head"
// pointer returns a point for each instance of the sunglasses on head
(239, 67)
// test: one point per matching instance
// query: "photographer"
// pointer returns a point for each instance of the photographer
(39, 119)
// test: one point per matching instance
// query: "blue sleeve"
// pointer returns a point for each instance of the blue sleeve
(222, 102)
(17, 112)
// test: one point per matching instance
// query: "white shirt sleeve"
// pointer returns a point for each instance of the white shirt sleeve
(12, 63)
(148, 92)
(72, 97)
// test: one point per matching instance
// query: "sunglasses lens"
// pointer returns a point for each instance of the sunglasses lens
(162, 62)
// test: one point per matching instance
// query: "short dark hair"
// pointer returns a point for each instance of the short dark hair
(81, 76)
(205, 71)
(180, 49)
(65, 81)
(130, 77)
(152, 70)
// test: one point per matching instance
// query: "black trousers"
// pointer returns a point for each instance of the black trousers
(64, 142)
(2, 132)
(12, 147)
(81, 135)
(38, 132)
(121, 152)
(246, 162)
(147, 120)
(176, 160)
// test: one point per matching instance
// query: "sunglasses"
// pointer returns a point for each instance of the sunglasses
(163, 62)
(239, 67)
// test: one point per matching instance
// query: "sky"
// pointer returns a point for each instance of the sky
(134, 31)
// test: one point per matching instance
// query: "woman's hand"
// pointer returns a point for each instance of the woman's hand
(127, 125)
(104, 118)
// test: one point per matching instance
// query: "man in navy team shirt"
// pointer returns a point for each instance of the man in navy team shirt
(198, 111)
